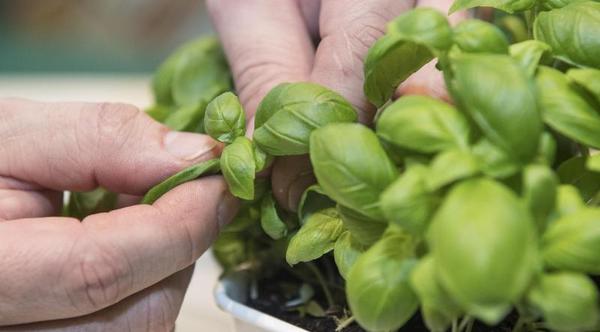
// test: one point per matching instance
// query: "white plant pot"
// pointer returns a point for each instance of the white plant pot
(231, 293)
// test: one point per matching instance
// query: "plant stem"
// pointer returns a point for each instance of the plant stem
(464, 323)
(529, 18)
(454, 326)
(345, 323)
(315, 270)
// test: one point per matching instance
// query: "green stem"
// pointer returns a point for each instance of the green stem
(315, 270)
(464, 323)
(454, 326)
(519, 324)
(345, 323)
(529, 18)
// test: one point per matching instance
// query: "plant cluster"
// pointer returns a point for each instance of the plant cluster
(463, 211)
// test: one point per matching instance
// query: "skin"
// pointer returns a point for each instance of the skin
(322, 41)
(129, 269)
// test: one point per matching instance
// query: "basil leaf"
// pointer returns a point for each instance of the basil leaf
(593, 163)
(501, 101)
(231, 250)
(530, 54)
(588, 79)
(247, 217)
(554, 4)
(83, 204)
(187, 118)
(568, 201)
(539, 192)
(481, 233)
(437, 307)
(237, 165)
(567, 301)
(378, 289)
(476, 36)
(565, 110)
(573, 242)
(514, 27)
(159, 112)
(509, 6)
(408, 203)
(574, 172)
(364, 229)
(572, 32)
(208, 167)
(493, 161)
(270, 221)
(345, 252)
(547, 149)
(316, 237)
(351, 166)
(225, 119)
(261, 158)
(428, 125)
(290, 112)
(416, 37)
(313, 199)
(451, 166)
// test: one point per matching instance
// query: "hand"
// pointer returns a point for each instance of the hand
(123, 270)
(323, 41)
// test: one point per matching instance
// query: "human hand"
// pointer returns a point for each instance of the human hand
(123, 270)
(322, 41)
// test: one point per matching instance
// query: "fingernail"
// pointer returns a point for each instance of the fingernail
(227, 209)
(189, 146)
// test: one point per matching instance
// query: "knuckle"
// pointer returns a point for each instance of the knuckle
(114, 124)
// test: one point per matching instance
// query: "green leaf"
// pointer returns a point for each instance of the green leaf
(345, 252)
(428, 125)
(415, 37)
(573, 242)
(547, 149)
(514, 27)
(530, 54)
(567, 301)
(270, 221)
(83, 204)
(316, 237)
(351, 166)
(593, 163)
(554, 4)
(313, 199)
(568, 201)
(493, 161)
(230, 250)
(574, 172)
(159, 112)
(247, 217)
(187, 118)
(476, 36)
(509, 6)
(208, 167)
(408, 203)
(364, 229)
(378, 289)
(437, 307)
(238, 167)
(572, 32)
(588, 79)
(501, 100)
(565, 110)
(225, 119)
(539, 192)
(481, 233)
(451, 166)
(261, 158)
(290, 112)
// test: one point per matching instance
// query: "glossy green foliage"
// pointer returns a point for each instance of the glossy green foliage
(572, 243)
(450, 166)
(230, 250)
(270, 221)
(316, 237)
(364, 229)
(565, 110)
(428, 125)
(204, 168)
(568, 201)
(416, 37)
(187, 118)
(408, 202)
(238, 167)
(476, 36)
(482, 228)
(225, 119)
(593, 163)
(574, 172)
(313, 199)
(83, 204)
(509, 6)
(351, 166)
(572, 32)
(530, 54)
(290, 112)
(554, 4)
(588, 79)
(539, 185)
(346, 251)
(378, 288)
(437, 307)
(501, 100)
(159, 112)
(494, 161)
(567, 301)
(547, 150)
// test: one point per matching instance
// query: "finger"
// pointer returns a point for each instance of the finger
(266, 43)
(153, 309)
(75, 268)
(78, 146)
(128, 200)
(16, 204)
(348, 29)
(291, 176)
(310, 12)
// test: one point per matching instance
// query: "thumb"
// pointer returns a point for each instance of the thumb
(79, 146)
